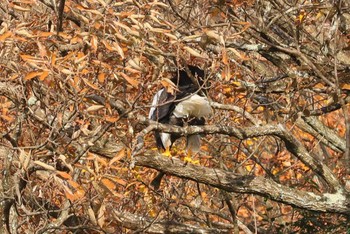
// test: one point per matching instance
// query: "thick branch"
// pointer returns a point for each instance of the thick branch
(237, 109)
(326, 132)
(291, 143)
(135, 222)
(232, 182)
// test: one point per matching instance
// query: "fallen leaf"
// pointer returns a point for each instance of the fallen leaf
(95, 108)
(44, 165)
(169, 86)
(193, 52)
(130, 80)
(5, 35)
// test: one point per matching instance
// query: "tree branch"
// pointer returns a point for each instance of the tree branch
(136, 222)
(326, 132)
(231, 182)
(292, 144)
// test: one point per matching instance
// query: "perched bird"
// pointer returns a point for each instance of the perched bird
(186, 105)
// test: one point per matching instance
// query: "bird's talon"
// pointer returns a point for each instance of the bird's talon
(188, 107)
(167, 153)
(196, 162)
(188, 159)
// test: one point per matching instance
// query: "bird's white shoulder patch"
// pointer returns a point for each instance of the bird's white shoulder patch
(194, 106)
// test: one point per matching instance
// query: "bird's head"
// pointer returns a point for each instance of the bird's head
(191, 76)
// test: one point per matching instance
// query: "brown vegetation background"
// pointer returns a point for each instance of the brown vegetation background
(76, 148)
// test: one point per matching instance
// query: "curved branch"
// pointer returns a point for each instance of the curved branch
(326, 132)
(292, 144)
(231, 182)
(237, 109)
(135, 222)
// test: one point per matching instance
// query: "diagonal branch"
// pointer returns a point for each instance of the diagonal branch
(330, 135)
(292, 144)
(137, 222)
(231, 182)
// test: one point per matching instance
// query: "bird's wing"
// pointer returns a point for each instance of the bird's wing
(154, 104)
(185, 91)
(162, 106)
(164, 102)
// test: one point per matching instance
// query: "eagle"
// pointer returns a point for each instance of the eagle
(186, 105)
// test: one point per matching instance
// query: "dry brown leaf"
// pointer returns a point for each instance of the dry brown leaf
(81, 57)
(171, 36)
(108, 184)
(74, 191)
(19, 8)
(32, 75)
(224, 57)
(119, 49)
(44, 165)
(132, 70)
(101, 77)
(121, 37)
(103, 64)
(91, 85)
(68, 193)
(42, 49)
(29, 58)
(241, 55)
(191, 38)
(101, 215)
(5, 35)
(23, 32)
(120, 181)
(135, 63)
(155, 19)
(53, 59)
(93, 43)
(117, 180)
(64, 175)
(107, 45)
(193, 52)
(92, 216)
(345, 86)
(213, 34)
(111, 119)
(161, 4)
(24, 159)
(117, 157)
(96, 12)
(121, 25)
(130, 80)
(101, 160)
(169, 85)
(67, 71)
(77, 191)
(44, 34)
(43, 75)
(95, 108)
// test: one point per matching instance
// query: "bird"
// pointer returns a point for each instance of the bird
(186, 105)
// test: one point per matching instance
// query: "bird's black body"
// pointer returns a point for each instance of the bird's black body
(166, 104)
(167, 101)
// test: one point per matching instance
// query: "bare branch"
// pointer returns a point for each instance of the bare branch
(326, 132)
(291, 143)
(135, 222)
(231, 182)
